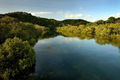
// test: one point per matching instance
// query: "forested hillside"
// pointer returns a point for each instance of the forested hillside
(27, 17)
(12, 27)
(50, 23)
(75, 22)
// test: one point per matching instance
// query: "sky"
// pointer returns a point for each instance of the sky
(90, 10)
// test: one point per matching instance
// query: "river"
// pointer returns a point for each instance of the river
(70, 58)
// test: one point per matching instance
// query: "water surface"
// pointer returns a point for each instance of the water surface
(69, 58)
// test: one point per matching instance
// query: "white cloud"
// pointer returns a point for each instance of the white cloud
(105, 18)
(69, 15)
(88, 16)
(93, 19)
(116, 15)
(81, 8)
(40, 13)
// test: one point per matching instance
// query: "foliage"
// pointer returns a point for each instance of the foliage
(91, 24)
(75, 22)
(15, 56)
(11, 27)
(41, 29)
(111, 20)
(117, 20)
(52, 23)
(103, 29)
(100, 22)
(108, 21)
(27, 17)
(103, 34)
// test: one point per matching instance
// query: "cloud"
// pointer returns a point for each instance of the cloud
(94, 19)
(88, 16)
(81, 8)
(73, 15)
(105, 18)
(40, 13)
(116, 15)
(69, 15)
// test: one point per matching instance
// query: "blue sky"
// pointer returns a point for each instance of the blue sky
(90, 10)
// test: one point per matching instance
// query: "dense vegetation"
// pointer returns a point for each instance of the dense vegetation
(50, 23)
(75, 22)
(11, 27)
(108, 21)
(27, 17)
(15, 56)
(102, 31)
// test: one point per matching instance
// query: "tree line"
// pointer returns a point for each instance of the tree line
(50, 23)
(107, 32)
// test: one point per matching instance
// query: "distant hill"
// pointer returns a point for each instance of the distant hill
(51, 23)
(27, 17)
(75, 22)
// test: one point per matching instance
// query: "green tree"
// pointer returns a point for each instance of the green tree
(10, 27)
(117, 21)
(15, 56)
(8, 19)
(111, 20)
(100, 22)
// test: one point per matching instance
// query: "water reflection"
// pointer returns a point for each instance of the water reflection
(101, 40)
(49, 34)
(70, 58)
(60, 38)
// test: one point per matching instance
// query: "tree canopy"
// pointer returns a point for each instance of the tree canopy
(15, 55)
(111, 20)
(11, 27)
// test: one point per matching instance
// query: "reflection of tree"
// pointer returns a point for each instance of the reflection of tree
(44, 76)
(100, 39)
(113, 40)
(49, 34)
(17, 59)
(119, 50)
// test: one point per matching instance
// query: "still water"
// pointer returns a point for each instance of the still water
(69, 58)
